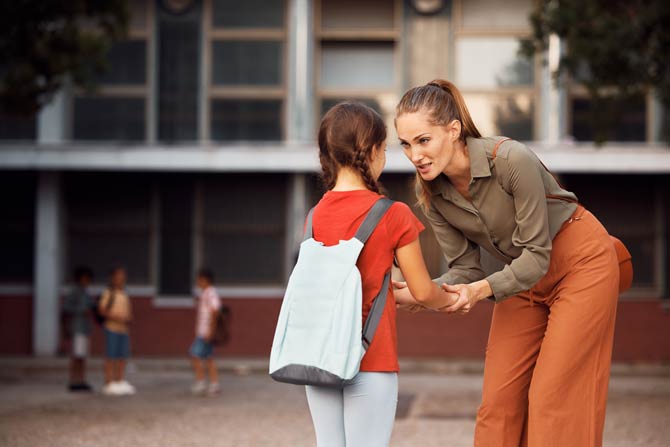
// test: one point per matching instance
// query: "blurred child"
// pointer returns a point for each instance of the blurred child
(208, 304)
(77, 310)
(115, 306)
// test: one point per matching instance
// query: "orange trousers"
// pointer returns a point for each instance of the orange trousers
(550, 348)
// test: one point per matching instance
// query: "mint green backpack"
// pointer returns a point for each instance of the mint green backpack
(320, 339)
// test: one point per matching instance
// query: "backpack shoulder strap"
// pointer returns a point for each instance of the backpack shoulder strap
(309, 230)
(373, 218)
(371, 221)
(376, 312)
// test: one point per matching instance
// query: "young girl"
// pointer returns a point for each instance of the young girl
(352, 153)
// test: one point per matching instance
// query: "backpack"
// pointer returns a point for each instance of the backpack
(320, 338)
(221, 334)
(98, 316)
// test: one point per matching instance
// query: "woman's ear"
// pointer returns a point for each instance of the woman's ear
(455, 130)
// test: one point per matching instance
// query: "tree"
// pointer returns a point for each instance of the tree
(44, 42)
(616, 49)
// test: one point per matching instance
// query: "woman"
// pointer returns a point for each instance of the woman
(352, 152)
(550, 342)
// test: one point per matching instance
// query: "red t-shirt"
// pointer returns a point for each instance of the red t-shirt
(337, 217)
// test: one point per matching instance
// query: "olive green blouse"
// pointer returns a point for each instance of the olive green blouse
(510, 216)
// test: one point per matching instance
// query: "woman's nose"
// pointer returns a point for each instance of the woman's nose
(415, 155)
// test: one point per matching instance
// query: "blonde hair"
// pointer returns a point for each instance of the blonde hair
(444, 103)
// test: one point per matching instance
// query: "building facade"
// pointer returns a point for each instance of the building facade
(198, 149)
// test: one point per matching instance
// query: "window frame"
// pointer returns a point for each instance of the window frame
(533, 92)
(147, 91)
(211, 92)
(387, 98)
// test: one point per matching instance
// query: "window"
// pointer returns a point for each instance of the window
(243, 228)
(178, 70)
(246, 53)
(118, 110)
(481, 14)
(16, 127)
(108, 223)
(17, 226)
(246, 120)
(358, 53)
(175, 252)
(497, 83)
(621, 120)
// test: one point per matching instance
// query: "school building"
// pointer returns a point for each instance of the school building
(198, 149)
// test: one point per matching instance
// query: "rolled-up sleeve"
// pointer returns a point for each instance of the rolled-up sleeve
(462, 255)
(532, 228)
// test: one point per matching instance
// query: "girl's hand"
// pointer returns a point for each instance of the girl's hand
(404, 299)
(413, 308)
(402, 294)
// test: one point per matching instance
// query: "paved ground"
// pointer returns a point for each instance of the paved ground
(436, 408)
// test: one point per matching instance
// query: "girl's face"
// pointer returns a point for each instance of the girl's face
(119, 278)
(202, 282)
(429, 147)
(378, 160)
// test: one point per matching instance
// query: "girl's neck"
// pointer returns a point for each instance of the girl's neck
(458, 170)
(349, 180)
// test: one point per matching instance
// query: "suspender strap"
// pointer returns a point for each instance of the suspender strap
(549, 196)
(495, 149)
(376, 312)
(372, 219)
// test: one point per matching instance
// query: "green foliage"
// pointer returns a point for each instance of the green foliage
(616, 49)
(43, 42)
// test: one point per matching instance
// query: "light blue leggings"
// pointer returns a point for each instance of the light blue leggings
(360, 415)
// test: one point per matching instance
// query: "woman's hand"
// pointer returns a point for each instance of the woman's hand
(468, 296)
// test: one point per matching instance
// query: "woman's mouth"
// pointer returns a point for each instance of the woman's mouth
(424, 168)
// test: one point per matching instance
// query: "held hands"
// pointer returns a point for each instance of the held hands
(467, 296)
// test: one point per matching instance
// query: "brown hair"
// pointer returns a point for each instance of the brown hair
(444, 103)
(348, 133)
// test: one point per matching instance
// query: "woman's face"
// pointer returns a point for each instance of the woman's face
(429, 147)
(378, 160)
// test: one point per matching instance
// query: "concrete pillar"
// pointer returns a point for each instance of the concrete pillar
(553, 97)
(54, 127)
(300, 110)
(54, 120)
(48, 257)
(295, 218)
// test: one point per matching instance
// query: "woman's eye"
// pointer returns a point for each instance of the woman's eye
(424, 140)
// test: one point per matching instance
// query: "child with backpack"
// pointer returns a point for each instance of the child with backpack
(351, 217)
(208, 306)
(114, 306)
(77, 321)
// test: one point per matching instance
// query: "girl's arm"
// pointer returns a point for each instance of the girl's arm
(420, 287)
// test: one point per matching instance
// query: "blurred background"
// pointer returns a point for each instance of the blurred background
(173, 134)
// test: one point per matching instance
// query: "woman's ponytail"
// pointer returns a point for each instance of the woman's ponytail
(444, 103)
